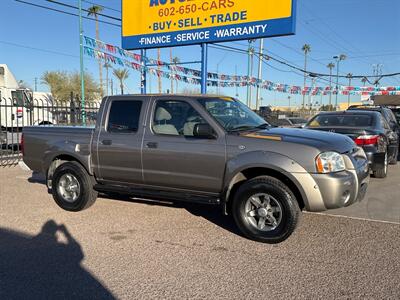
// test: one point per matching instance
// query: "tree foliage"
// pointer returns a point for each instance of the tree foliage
(122, 75)
(62, 83)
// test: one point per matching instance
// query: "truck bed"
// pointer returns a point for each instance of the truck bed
(43, 143)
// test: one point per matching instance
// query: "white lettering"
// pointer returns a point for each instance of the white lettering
(238, 31)
(161, 39)
(193, 36)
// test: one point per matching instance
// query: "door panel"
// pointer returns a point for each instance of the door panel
(179, 162)
(174, 160)
(119, 143)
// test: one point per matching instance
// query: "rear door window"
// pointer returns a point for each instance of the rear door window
(342, 120)
(124, 116)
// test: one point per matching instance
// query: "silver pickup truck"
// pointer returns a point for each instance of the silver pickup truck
(202, 149)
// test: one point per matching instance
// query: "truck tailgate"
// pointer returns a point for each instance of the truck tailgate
(43, 143)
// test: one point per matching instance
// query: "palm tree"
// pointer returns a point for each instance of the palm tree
(330, 66)
(122, 75)
(306, 49)
(176, 61)
(94, 11)
(364, 80)
(107, 65)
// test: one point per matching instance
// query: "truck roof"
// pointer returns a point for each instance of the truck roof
(171, 95)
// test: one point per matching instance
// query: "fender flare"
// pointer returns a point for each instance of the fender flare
(275, 162)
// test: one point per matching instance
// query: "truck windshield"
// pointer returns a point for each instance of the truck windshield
(232, 114)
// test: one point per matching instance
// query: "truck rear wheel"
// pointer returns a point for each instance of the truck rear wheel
(265, 210)
(72, 187)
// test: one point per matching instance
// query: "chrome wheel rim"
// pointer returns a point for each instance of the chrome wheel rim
(263, 212)
(69, 187)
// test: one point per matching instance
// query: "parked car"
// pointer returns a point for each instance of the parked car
(202, 149)
(386, 112)
(369, 130)
(293, 122)
(396, 112)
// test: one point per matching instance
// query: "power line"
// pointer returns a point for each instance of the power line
(302, 70)
(75, 7)
(347, 43)
(65, 12)
(38, 49)
(107, 7)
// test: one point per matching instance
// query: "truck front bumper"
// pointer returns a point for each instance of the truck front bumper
(335, 190)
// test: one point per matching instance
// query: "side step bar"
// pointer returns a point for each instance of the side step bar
(158, 195)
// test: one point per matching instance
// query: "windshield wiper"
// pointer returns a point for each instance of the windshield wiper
(249, 127)
(263, 126)
(240, 128)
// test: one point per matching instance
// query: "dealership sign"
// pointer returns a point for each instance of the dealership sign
(166, 23)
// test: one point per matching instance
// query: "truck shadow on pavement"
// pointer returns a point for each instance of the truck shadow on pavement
(42, 267)
(211, 213)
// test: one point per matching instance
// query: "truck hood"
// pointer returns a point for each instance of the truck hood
(323, 141)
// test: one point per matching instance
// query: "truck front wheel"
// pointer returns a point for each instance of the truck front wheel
(72, 187)
(265, 210)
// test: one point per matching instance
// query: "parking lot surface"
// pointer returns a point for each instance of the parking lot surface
(130, 248)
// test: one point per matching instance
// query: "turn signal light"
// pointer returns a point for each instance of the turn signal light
(364, 140)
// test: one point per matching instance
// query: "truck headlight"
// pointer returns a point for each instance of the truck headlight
(329, 162)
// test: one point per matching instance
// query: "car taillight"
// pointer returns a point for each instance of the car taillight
(22, 144)
(364, 140)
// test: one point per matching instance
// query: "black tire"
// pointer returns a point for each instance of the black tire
(281, 194)
(85, 197)
(393, 161)
(381, 171)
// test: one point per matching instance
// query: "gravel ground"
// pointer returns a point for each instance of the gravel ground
(129, 249)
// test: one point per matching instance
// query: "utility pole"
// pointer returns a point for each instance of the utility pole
(172, 71)
(143, 71)
(311, 96)
(81, 64)
(377, 68)
(112, 87)
(330, 67)
(306, 49)
(249, 72)
(258, 94)
(107, 66)
(36, 84)
(290, 107)
(338, 60)
(159, 70)
(349, 76)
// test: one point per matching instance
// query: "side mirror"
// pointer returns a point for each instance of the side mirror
(203, 130)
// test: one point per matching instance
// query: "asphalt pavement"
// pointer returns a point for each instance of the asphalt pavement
(130, 249)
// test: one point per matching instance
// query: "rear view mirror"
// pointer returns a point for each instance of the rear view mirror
(203, 130)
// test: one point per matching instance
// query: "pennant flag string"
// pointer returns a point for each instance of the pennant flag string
(100, 50)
